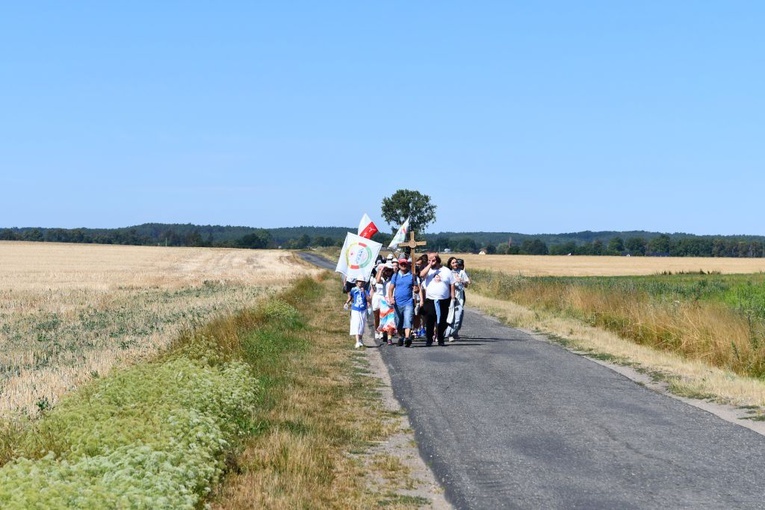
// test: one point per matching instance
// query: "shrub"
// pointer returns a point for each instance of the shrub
(150, 437)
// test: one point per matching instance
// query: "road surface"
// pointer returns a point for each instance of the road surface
(506, 420)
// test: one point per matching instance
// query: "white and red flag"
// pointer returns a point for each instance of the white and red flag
(357, 258)
(400, 236)
(367, 229)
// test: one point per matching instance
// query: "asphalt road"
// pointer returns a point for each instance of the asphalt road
(508, 421)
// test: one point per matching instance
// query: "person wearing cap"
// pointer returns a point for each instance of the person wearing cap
(401, 294)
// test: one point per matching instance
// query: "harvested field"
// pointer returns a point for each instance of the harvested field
(70, 312)
(551, 265)
(35, 266)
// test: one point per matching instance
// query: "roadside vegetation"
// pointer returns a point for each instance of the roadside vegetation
(719, 319)
(702, 333)
(266, 407)
(319, 424)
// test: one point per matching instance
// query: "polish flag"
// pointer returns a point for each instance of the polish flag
(366, 228)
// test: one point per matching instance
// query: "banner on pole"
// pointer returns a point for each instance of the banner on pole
(400, 236)
(357, 258)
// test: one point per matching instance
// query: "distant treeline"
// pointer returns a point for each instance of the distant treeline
(162, 234)
(634, 243)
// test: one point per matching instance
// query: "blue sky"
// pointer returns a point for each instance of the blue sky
(529, 117)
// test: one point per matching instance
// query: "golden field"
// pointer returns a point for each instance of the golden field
(557, 265)
(70, 312)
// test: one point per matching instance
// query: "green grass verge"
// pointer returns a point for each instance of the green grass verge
(157, 435)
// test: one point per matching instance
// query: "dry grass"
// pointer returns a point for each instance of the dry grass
(703, 330)
(531, 265)
(70, 312)
(708, 331)
(327, 415)
(688, 377)
(77, 311)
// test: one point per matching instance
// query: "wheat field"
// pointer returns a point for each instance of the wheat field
(554, 265)
(71, 312)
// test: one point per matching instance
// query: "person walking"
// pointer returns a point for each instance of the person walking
(359, 300)
(401, 294)
(387, 322)
(461, 281)
(418, 324)
(378, 287)
(439, 293)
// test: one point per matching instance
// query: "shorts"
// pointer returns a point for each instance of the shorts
(404, 316)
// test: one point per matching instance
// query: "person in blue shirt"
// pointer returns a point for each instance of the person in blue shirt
(359, 301)
(401, 294)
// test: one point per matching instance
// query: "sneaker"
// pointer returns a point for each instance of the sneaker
(359, 344)
(408, 342)
(452, 339)
(441, 343)
(456, 336)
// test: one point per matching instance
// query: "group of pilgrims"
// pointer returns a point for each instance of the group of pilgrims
(425, 302)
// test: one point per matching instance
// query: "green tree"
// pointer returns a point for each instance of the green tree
(194, 238)
(33, 235)
(410, 204)
(439, 243)
(563, 249)
(636, 245)
(659, 245)
(8, 235)
(464, 245)
(534, 247)
(615, 246)
(259, 239)
(303, 242)
(503, 248)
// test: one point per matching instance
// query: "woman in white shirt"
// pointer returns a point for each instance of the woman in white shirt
(461, 281)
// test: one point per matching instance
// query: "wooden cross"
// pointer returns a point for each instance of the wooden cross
(412, 244)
